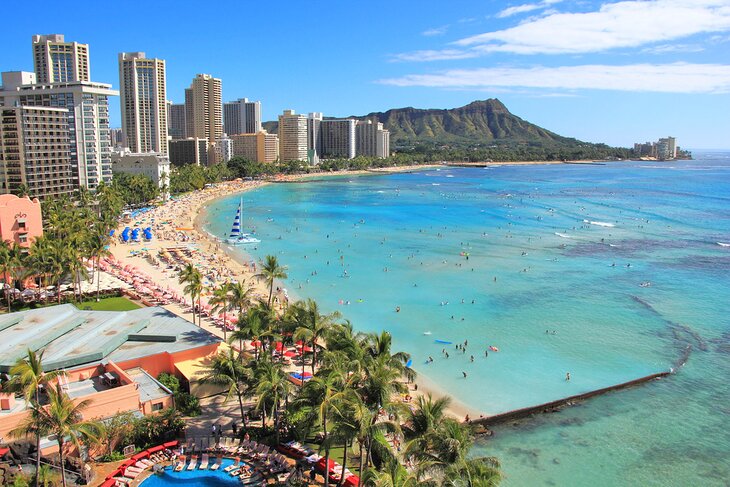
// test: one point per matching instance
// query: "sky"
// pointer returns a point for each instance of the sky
(616, 72)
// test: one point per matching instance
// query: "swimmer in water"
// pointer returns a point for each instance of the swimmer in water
(464, 374)
(567, 377)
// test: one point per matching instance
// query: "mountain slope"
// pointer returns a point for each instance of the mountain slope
(483, 121)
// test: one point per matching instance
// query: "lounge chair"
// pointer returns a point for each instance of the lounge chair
(234, 465)
(122, 480)
(204, 462)
(180, 465)
(217, 463)
(193, 462)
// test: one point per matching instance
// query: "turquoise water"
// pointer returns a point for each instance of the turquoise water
(194, 478)
(563, 249)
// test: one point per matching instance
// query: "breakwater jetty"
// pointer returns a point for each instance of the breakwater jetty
(555, 406)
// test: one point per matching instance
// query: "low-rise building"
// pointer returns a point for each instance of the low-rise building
(151, 164)
(109, 358)
(20, 219)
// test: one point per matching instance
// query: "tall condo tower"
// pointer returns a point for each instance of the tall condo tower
(143, 102)
(204, 109)
(292, 136)
(242, 117)
(57, 61)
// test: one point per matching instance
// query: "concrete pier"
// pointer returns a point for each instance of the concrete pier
(554, 406)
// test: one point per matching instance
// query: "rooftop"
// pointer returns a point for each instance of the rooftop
(72, 337)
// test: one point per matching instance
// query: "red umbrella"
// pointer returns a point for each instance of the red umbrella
(306, 374)
(307, 349)
(300, 343)
(255, 343)
(279, 346)
(290, 354)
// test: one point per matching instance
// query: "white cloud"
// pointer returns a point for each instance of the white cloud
(436, 31)
(662, 78)
(526, 7)
(622, 24)
(435, 55)
(518, 9)
(673, 48)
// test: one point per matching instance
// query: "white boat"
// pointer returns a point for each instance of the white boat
(237, 237)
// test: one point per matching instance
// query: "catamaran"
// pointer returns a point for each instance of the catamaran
(237, 237)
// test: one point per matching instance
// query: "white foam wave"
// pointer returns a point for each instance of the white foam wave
(723, 244)
(599, 224)
(435, 184)
(562, 235)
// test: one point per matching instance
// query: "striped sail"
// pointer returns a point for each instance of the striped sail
(236, 229)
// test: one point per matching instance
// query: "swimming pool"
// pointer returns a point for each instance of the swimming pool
(193, 478)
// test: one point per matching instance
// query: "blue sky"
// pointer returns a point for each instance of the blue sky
(613, 72)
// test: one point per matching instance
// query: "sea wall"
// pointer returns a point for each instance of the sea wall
(554, 406)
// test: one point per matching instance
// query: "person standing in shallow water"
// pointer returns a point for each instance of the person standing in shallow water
(567, 376)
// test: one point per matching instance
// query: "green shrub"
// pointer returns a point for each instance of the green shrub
(169, 381)
(187, 404)
(114, 456)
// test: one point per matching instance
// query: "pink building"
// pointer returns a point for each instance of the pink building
(20, 219)
(111, 358)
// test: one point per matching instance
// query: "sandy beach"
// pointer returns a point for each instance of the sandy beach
(178, 229)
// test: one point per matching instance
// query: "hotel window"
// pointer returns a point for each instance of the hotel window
(157, 406)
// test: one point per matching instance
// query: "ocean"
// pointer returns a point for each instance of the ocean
(606, 272)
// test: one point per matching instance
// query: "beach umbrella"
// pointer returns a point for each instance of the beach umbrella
(255, 343)
(279, 346)
(290, 354)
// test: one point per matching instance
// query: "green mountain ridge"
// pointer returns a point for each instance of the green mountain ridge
(481, 122)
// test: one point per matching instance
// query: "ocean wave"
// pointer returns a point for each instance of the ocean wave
(723, 244)
(599, 224)
(562, 235)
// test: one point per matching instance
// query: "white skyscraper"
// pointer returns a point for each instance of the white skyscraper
(143, 102)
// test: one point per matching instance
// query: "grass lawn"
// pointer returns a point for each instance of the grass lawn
(109, 304)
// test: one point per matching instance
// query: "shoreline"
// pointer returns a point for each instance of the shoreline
(457, 409)
(189, 212)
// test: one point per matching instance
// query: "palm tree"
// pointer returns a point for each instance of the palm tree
(476, 472)
(96, 243)
(225, 370)
(393, 474)
(5, 264)
(27, 377)
(240, 296)
(322, 391)
(221, 301)
(63, 418)
(272, 388)
(250, 327)
(270, 272)
(193, 279)
(311, 325)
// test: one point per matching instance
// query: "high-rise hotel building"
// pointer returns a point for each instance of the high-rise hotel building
(87, 107)
(143, 102)
(204, 109)
(57, 61)
(62, 81)
(176, 120)
(242, 117)
(372, 139)
(292, 136)
(337, 138)
(34, 151)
